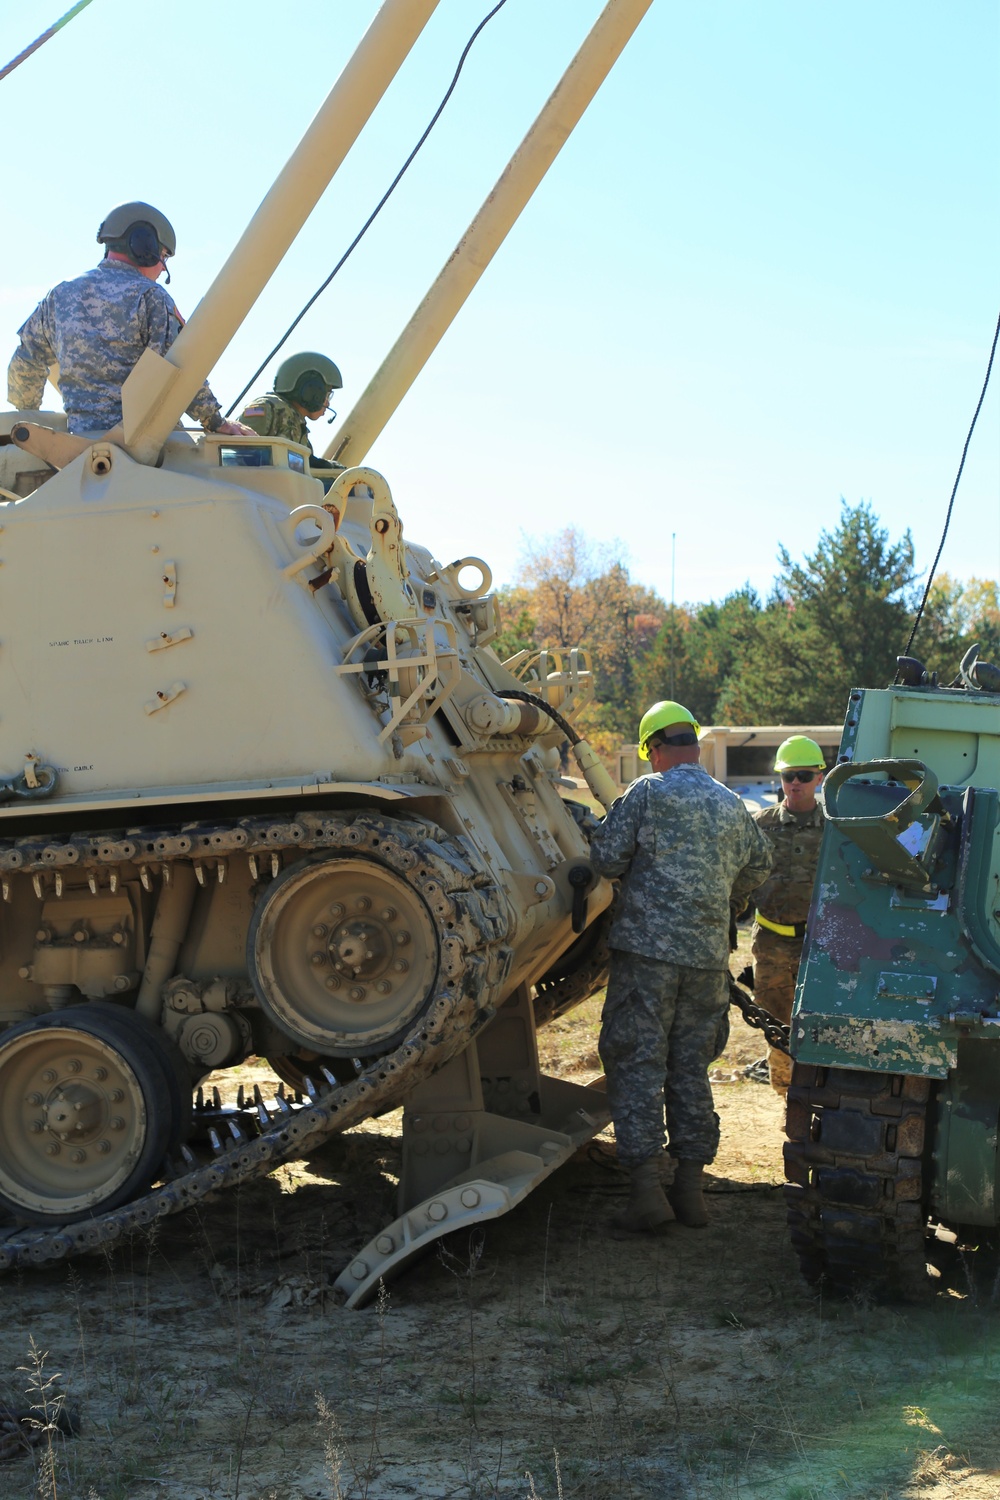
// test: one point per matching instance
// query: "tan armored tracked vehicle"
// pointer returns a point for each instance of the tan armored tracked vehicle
(267, 790)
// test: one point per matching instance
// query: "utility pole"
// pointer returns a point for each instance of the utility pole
(673, 617)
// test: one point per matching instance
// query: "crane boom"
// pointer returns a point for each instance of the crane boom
(473, 253)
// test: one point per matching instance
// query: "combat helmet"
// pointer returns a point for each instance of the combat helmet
(140, 231)
(658, 717)
(799, 753)
(307, 378)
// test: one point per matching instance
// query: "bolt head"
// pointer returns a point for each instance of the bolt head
(336, 910)
(384, 987)
(34, 1098)
(362, 904)
(100, 1074)
(319, 930)
(388, 914)
(53, 1148)
(50, 1075)
(402, 938)
(117, 1123)
(78, 1156)
(117, 1095)
(332, 982)
(36, 1127)
(358, 992)
(400, 966)
(317, 959)
(74, 1065)
(103, 1147)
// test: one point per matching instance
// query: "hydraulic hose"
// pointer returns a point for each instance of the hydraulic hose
(592, 768)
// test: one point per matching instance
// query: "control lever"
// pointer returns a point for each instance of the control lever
(581, 878)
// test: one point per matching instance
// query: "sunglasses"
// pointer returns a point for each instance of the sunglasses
(663, 740)
(800, 775)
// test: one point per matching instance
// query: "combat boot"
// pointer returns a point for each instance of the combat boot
(647, 1208)
(686, 1196)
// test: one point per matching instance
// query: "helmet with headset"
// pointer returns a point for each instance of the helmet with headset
(139, 231)
(307, 379)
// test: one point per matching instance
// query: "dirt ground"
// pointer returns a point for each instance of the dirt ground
(541, 1358)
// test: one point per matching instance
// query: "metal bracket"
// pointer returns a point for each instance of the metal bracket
(410, 673)
(167, 695)
(173, 638)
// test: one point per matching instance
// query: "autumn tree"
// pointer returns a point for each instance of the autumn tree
(570, 591)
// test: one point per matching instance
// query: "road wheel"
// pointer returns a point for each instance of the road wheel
(344, 954)
(85, 1116)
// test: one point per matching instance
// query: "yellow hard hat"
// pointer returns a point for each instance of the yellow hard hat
(658, 717)
(797, 753)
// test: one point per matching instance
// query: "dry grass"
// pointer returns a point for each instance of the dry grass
(541, 1358)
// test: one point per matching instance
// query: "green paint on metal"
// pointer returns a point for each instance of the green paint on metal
(900, 970)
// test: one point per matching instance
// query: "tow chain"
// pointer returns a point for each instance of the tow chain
(775, 1034)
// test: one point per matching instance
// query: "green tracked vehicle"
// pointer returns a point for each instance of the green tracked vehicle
(895, 1099)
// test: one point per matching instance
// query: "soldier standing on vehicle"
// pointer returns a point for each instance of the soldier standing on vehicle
(794, 828)
(302, 388)
(685, 847)
(96, 327)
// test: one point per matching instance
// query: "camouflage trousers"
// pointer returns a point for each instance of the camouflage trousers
(660, 1029)
(775, 969)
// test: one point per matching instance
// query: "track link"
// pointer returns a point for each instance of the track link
(854, 1163)
(471, 916)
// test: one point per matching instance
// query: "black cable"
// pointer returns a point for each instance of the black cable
(571, 734)
(951, 502)
(375, 211)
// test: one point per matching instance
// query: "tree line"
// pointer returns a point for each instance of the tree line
(834, 620)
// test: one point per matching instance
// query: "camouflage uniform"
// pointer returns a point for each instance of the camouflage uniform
(784, 898)
(273, 416)
(685, 847)
(95, 329)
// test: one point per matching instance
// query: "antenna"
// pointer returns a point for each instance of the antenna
(673, 616)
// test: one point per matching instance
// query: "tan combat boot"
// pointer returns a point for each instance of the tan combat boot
(647, 1208)
(686, 1197)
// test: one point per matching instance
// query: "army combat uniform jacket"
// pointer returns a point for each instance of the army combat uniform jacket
(795, 839)
(784, 900)
(95, 329)
(273, 416)
(685, 846)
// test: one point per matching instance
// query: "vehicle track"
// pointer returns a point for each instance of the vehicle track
(854, 1163)
(471, 918)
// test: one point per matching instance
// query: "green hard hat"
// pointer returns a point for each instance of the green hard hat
(127, 216)
(298, 367)
(658, 717)
(799, 753)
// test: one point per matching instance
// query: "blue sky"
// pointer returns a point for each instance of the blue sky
(761, 275)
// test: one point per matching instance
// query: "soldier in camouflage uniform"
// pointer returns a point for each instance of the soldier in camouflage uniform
(302, 387)
(685, 847)
(794, 828)
(96, 327)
